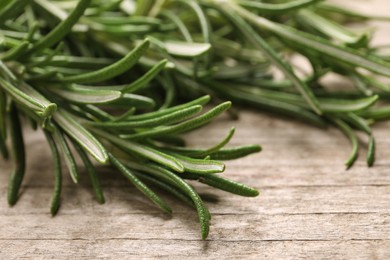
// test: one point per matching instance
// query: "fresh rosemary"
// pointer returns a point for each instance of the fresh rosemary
(118, 118)
(112, 80)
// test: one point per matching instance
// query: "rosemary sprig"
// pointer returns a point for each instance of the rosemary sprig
(40, 75)
(106, 78)
(250, 39)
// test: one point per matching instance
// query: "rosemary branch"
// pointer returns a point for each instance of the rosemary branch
(118, 119)
(99, 74)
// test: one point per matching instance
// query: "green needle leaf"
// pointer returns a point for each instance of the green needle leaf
(200, 101)
(3, 148)
(19, 157)
(91, 172)
(149, 123)
(9, 11)
(68, 156)
(353, 139)
(87, 95)
(235, 152)
(144, 151)
(146, 78)
(229, 186)
(277, 8)
(203, 213)
(262, 45)
(133, 100)
(323, 47)
(81, 136)
(16, 52)
(206, 152)
(182, 127)
(140, 185)
(62, 29)
(112, 70)
(167, 187)
(187, 49)
(55, 202)
(20, 97)
(339, 105)
(200, 166)
(371, 152)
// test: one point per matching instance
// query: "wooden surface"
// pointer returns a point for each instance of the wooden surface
(310, 206)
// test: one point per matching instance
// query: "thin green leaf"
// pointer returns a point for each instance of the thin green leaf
(149, 123)
(62, 29)
(15, 52)
(358, 122)
(133, 100)
(371, 152)
(187, 49)
(182, 127)
(87, 95)
(179, 24)
(272, 55)
(200, 101)
(19, 157)
(235, 152)
(167, 187)
(200, 166)
(200, 14)
(277, 8)
(332, 29)
(91, 172)
(376, 113)
(352, 138)
(204, 152)
(340, 105)
(140, 185)
(3, 148)
(146, 78)
(67, 154)
(112, 70)
(72, 62)
(10, 10)
(144, 151)
(159, 172)
(81, 135)
(317, 44)
(269, 104)
(229, 186)
(55, 201)
(19, 97)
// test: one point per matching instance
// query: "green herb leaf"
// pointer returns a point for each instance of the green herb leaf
(112, 70)
(81, 136)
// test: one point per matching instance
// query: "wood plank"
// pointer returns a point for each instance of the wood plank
(310, 206)
(177, 249)
(184, 226)
(293, 200)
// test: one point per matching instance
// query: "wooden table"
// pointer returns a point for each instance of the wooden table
(310, 206)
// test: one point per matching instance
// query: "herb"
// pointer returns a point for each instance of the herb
(248, 44)
(98, 74)
(119, 118)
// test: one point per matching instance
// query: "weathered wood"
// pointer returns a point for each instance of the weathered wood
(310, 206)
(192, 249)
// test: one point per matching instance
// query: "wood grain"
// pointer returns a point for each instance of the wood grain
(310, 206)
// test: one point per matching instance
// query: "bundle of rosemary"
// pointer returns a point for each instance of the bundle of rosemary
(69, 85)
(113, 78)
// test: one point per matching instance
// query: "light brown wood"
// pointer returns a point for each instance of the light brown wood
(310, 206)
